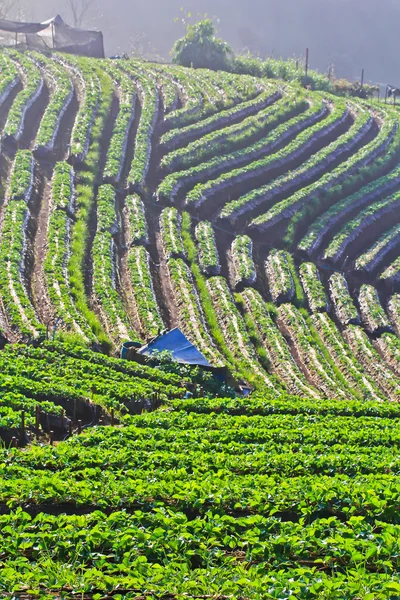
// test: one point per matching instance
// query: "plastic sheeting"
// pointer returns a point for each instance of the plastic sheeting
(176, 342)
(16, 27)
(53, 34)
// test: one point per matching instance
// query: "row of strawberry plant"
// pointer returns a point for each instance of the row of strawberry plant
(312, 360)
(10, 76)
(232, 137)
(32, 88)
(22, 177)
(260, 404)
(366, 219)
(236, 335)
(10, 419)
(171, 232)
(322, 161)
(242, 163)
(177, 138)
(208, 252)
(366, 354)
(373, 316)
(115, 158)
(150, 320)
(315, 131)
(62, 210)
(391, 273)
(190, 314)
(393, 308)
(342, 302)
(14, 294)
(135, 215)
(340, 211)
(356, 376)
(18, 402)
(372, 258)
(279, 276)
(105, 269)
(150, 103)
(313, 287)
(90, 90)
(242, 263)
(388, 346)
(61, 95)
(281, 361)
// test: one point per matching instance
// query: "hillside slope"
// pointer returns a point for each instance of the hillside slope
(260, 218)
(139, 197)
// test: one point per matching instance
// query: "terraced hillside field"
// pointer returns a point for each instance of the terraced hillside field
(262, 219)
(257, 216)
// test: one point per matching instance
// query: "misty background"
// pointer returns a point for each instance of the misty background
(350, 34)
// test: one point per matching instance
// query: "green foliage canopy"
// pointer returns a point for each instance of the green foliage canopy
(201, 49)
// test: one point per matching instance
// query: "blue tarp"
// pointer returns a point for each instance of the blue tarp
(182, 350)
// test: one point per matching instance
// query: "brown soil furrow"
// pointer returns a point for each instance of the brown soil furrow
(38, 282)
(166, 295)
(125, 278)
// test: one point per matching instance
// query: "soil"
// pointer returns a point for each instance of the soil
(125, 280)
(39, 246)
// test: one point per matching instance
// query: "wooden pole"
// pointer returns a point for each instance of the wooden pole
(51, 438)
(362, 77)
(307, 56)
(37, 417)
(79, 426)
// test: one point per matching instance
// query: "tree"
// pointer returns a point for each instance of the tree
(80, 11)
(6, 7)
(201, 49)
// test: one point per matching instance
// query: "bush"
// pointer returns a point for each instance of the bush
(201, 49)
